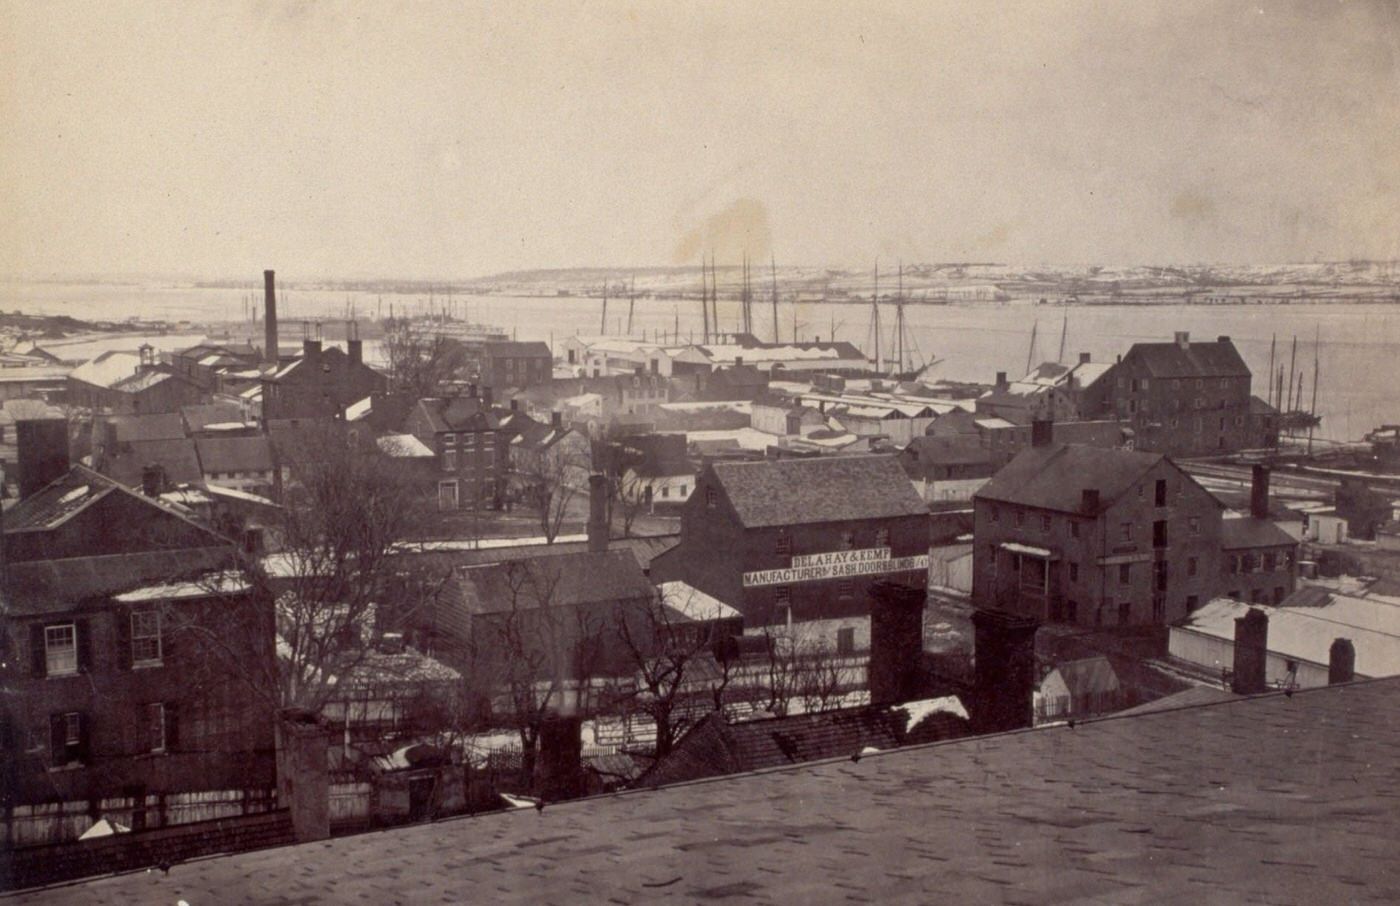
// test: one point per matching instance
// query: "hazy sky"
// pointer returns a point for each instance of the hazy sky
(456, 139)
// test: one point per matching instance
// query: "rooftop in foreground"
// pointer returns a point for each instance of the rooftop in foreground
(1277, 799)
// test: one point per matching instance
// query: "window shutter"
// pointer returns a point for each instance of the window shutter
(123, 618)
(84, 642)
(58, 740)
(81, 749)
(36, 646)
(172, 727)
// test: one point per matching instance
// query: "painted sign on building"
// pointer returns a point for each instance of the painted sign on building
(836, 565)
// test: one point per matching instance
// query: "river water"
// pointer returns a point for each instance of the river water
(1358, 355)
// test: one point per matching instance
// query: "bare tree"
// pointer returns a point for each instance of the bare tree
(798, 667)
(678, 677)
(630, 498)
(421, 363)
(550, 480)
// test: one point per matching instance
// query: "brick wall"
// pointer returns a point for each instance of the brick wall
(39, 865)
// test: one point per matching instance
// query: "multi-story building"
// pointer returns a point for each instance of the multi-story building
(322, 382)
(1181, 398)
(1094, 536)
(472, 450)
(801, 540)
(112, 706)
(516, 364)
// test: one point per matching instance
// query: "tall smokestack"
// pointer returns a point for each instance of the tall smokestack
(597, 513)
(1259, 493)
(270, 317)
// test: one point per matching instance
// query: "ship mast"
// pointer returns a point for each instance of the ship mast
(603, 330)
(1312, 411)
(1272, 342)
(1064, 330)
(899, 320)
(705, 299)
(631, 304)
(875, 319)
(774, 265)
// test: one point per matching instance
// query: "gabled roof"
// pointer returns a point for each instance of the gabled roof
(107, 369)
(1248, 532)
(460, 413)
(514, 349)
(1054, 477)
(1087, 676)
(1217, 358)
(177, 456)
(564, 580)
(717, 746)
(53, 586)
(198, 416)
(929, 452)
(820, 489)
(60, 500)
(534, 435)
(1307, 633)
(156, 426)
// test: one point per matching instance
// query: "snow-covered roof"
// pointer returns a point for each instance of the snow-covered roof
(993, 423)
(1027, 549)
(1307, 633)
(403, 446)
(219, 583)
(745, 438)
(919, 711)
(356, 411)
(236, 494)
(694, 604)
(107, 369)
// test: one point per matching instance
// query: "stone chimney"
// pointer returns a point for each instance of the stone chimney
(1004, 652)
(1183, 339)
(1089, 501)
(559, 771)
(303, 773)
(1042, 432)
(1341, 662)
(1084, 358)
(41, 452)
(1259, 493)
(896, 642)
(597, 513)
(269, 317)
(311, 349)
(152, 479)
(1251, 653)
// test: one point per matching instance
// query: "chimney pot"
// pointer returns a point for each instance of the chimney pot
(515, 405)
(356, 350)
(311, 349)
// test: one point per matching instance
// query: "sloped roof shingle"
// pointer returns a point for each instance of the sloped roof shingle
(819, 489)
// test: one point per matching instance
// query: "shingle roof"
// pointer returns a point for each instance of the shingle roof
(1217, 358)
(643, 548)
(52, 586)
(1053, 477)
(562, 580)
(716, 746)
(176, 455)
(156, 426)
(514, 349)
(1247, 532)
(456, 414)
(820, 489)
(1272, 799)
(70, 493)
(211, 414)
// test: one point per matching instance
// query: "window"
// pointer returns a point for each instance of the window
(1074, 572)
(846, 588)
(848, 541)
(1192, 564)
(882, 537)
(1194, 525)
(449, 439)
(784, 545)
(61, 650)
(1159, 533)
(449, 460)
(1224, 383)
(1234, 564)
(996, 514)
(1020, 518)
(1142, 492)
(1125, 613)
(782, 595)
(145, 638)
(155, 726)
(682, 490)
(1160, 498)
(711, 498)
(846, 641)
(1125, 574)
(1126, 531)
(1270, 563)
(1144, 383)
(68, 734)
(1074, 528)
(665, 491)
(1045, 522)
(447, 495)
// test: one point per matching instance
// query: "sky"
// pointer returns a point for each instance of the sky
(440, 140)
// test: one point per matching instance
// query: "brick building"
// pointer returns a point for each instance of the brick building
(1182, 398)
(322, 382)
(471, 449)
(801, 540)
(111, 706)
(1094, 536)
(515, 364)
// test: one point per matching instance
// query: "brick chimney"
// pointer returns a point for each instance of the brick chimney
(1084, 358)
(311, 349)
(269, 317)
(1341, 662)
(1251, 653)
(487, 397)
(597, 513)
(1001, 380)
(303, 775)
(41, 452)
(556, 419)
(559, 771)
(896, 642)
(1183, 339)
(1042, 432)
(1089, 501)
(354, 346)
(152, 479)
(1259, 493)
(1004, 651)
